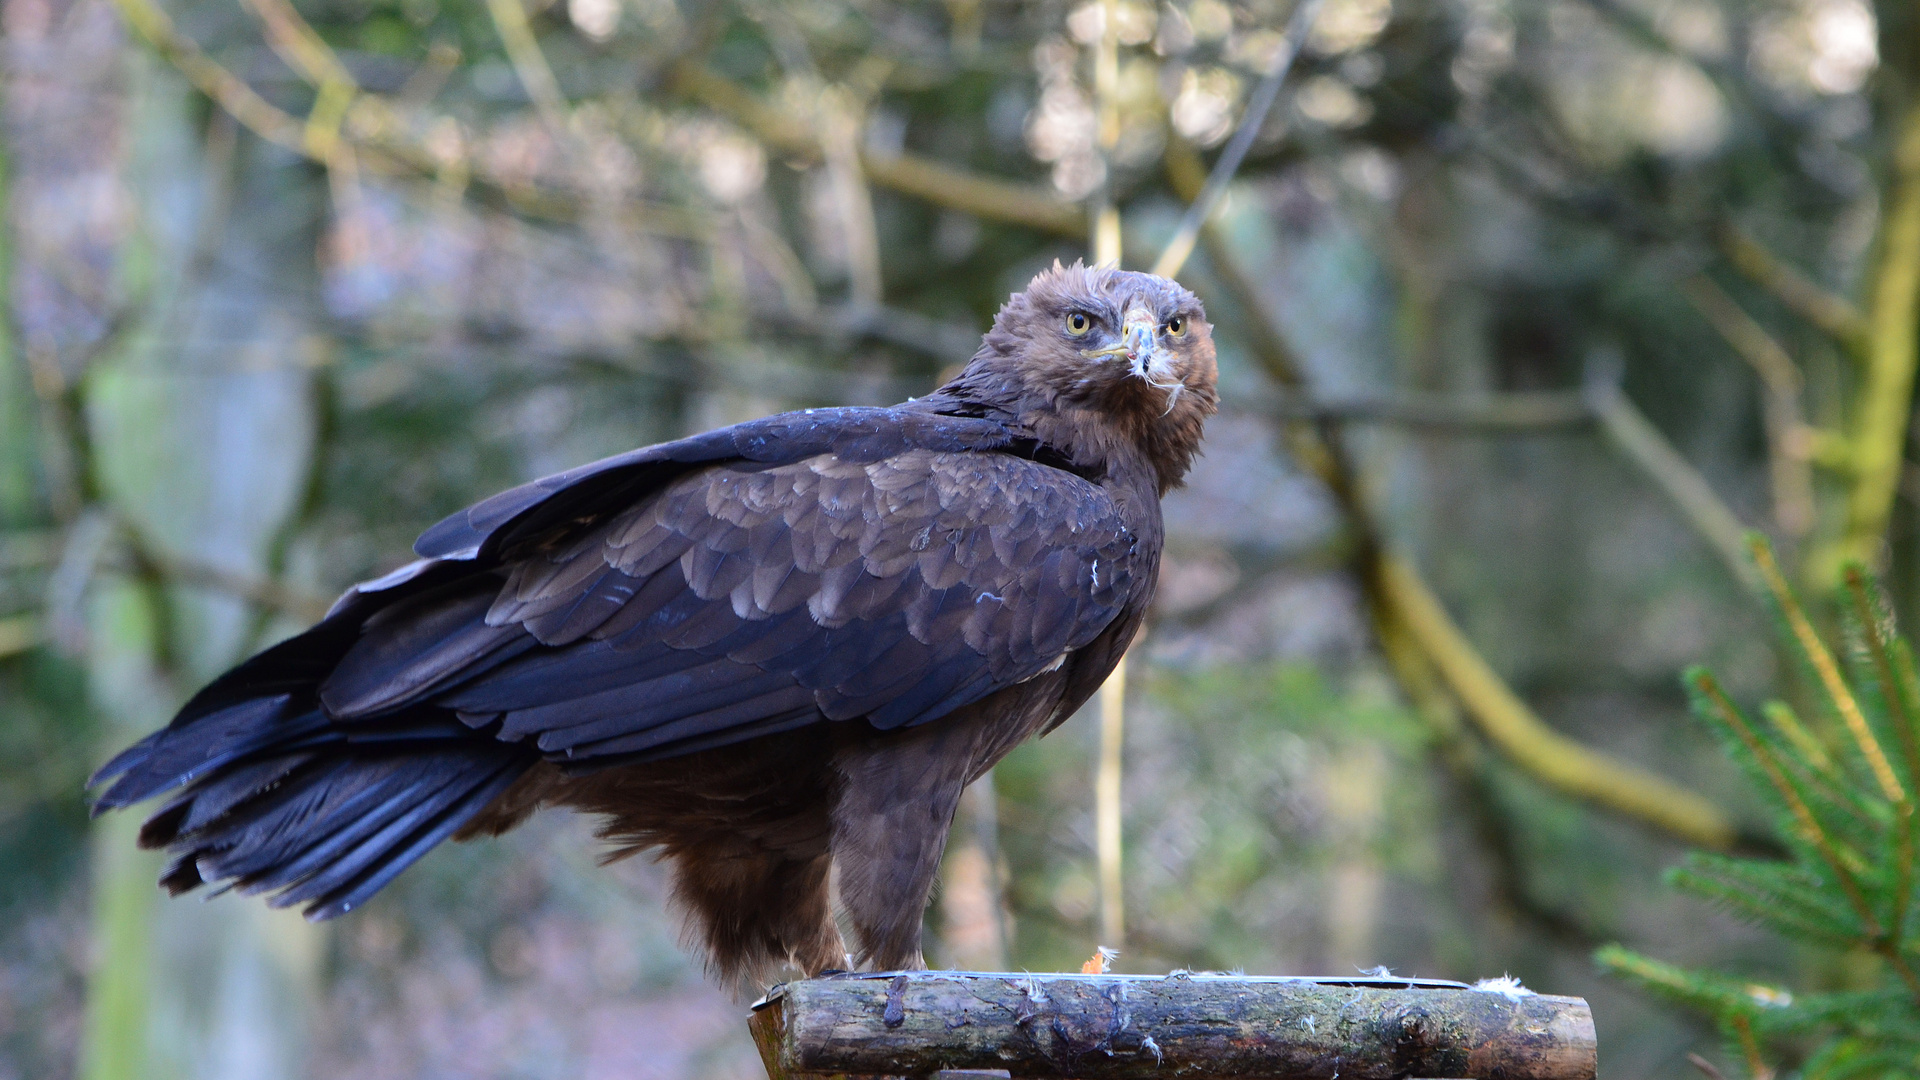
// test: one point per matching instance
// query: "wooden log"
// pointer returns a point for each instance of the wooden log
(1131, 1027)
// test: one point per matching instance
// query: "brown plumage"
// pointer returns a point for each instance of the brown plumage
(763, 651)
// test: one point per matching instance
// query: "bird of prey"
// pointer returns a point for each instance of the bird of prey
(765, 651)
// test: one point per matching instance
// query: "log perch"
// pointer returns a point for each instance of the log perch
(1132, 1027)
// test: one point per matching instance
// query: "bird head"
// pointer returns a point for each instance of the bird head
(1098, 353)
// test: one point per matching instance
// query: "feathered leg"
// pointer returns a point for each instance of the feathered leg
(755, 910)
(889, 831)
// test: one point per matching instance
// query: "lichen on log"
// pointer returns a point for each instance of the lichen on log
(1122, 1027)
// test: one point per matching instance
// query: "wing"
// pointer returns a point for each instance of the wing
(854, 434)
(745, 598)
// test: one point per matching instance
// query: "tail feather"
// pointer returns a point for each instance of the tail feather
(395, 849)
(332, 831)
(273, 794)
(285, 800)
(194, 810)
(240, 702)
(323, 825)
(181, 753)
(294, 820)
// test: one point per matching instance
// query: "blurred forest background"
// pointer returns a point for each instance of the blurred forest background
(1526, 308)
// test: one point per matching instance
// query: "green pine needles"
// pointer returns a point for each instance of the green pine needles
(1843, 798)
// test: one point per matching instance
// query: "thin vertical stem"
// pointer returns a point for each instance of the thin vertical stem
(114, 1046)
(1107, 806)
(1886, 395)
(1112, 698)
(986, 830)
(1750, 1049)
(1106, 84)
(840, 144)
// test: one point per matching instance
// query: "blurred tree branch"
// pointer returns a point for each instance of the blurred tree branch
(1202, 203)
(1479, 413)
(1884, 406)
(269, 593)
(1636, 437)
(1787, 455)
(1538, 750)
(344, 116)
(306, 53)
(210, 78)
(1883, 337)
(1830, 312)
(1402, 604)
(909, 174)
(342, 113)
(530, 64)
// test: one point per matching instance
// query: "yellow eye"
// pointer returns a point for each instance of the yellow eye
(1078, 323)
(1177, 326)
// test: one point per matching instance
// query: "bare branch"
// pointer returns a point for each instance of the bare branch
(530, 64)
(297, 43)
(225, 88)
(1642, 443)
(1748, 338)
(1540, 751)
(1174, 256)
(296, 603)
(909, 174)
(1707, 1068)
(1786, 455)
(1488, 414)
(1830, 312)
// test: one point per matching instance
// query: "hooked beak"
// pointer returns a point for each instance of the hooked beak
(1136, 343)
(1137, 334)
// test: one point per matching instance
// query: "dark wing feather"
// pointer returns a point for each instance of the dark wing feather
(855, 434)
(744, 594)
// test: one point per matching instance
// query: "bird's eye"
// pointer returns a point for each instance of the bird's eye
(1078, 323)
(1177, 326)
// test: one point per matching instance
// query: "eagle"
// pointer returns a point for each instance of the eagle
(774, 654)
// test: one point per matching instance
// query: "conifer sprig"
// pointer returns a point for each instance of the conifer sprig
(1842, 796)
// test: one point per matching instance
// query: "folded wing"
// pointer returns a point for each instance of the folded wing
(746, 598)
